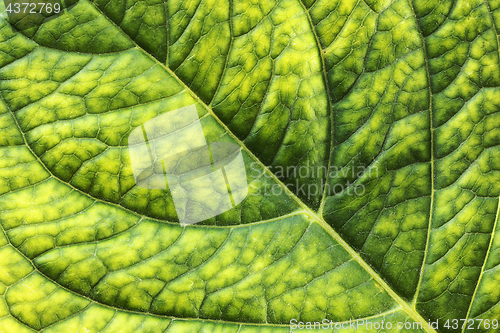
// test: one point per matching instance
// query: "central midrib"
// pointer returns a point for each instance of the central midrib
(313, 215)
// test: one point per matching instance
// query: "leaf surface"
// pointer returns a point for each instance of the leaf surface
(391, 108)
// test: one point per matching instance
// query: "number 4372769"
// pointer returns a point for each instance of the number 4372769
(33, 8)
(471, 324)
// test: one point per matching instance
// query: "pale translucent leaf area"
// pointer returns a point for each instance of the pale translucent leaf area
(247, 166)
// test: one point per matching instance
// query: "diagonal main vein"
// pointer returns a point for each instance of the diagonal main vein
(313, 215)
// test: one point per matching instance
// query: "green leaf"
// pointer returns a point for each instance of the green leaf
(370, 135)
